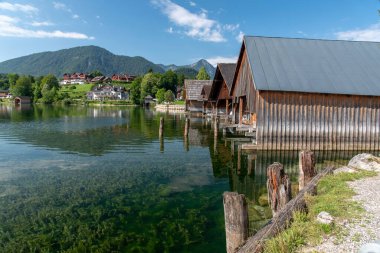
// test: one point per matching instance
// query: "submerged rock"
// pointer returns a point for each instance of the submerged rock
(365, 162)
(325, 218)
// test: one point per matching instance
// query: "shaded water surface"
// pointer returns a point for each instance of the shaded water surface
(76, 178)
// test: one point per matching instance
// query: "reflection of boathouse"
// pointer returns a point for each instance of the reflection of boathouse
(22, 100)
(304, 93)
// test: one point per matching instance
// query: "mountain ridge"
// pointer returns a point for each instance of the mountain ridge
(87, 59)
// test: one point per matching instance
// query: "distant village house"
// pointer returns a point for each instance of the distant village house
(107, 92)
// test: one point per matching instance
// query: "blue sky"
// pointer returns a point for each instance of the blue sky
(177, 31)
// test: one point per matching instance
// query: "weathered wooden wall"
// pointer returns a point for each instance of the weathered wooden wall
(243, 87)
(290, 120)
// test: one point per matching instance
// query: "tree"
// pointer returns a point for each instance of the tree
(202, 74)
(169, 80)
(96, 73)
(160, 95)
(181, 80)
(50, 87)
(12, 78)
(169, 96)
(135, 91)
(37, 88)
(22, 87)
(148, 82)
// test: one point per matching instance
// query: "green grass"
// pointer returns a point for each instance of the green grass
(77, 91)
(179, 102)
(335, 197)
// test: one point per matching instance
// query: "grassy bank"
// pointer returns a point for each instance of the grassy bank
(335, 197)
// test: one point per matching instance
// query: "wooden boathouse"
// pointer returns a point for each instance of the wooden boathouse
(205, 95)
(221, 88)
(309, 93)
(193, 90)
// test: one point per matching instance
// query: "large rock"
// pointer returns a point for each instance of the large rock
(373, 247)
(325, 218)
(365, 162)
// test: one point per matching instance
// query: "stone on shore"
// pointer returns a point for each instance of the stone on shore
(325, 218)
(365, 162)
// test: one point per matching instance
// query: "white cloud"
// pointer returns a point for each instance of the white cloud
(221, 59)
(231, 27)
(18, 7)
(60, 6)
(170, 30)
(9, 28)
(371, 33)
(240, 37)
(192, 3)
(197, 26)
(44, 23)
(63, 7)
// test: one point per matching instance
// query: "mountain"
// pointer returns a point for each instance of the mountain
(89, 58)
(196, 66)
(78, 59)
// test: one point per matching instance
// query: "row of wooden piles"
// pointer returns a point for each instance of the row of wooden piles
(281, 203)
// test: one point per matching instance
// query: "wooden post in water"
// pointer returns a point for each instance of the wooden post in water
(239, 160)
(279, 187)
(216, 126)
(235, 219)
(187, 125)
(161, 130)
(186, 134)
(306, 168)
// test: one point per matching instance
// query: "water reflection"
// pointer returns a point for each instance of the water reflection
(106, 169)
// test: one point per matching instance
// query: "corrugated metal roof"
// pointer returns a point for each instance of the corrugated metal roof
(194, 88)
(313, 65)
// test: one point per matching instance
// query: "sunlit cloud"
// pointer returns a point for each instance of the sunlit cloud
(194, 25)
(44, 23)
(372, 33)
(63, 7)
(221, 59)
(18, 7)
(9, 27)
(240, 37)
(231, 27)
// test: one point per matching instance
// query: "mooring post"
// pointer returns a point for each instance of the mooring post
(306, 168)
(235, 219)
(279, 187)
(187, 125)
(216, 126)
(186, 134)
(239, 160)
(161, 130)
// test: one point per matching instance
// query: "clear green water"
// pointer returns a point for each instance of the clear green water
(97, 179)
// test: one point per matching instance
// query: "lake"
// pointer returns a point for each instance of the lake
(98, 179)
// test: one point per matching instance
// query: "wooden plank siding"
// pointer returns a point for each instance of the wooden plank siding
(293, 120)
(244, 88)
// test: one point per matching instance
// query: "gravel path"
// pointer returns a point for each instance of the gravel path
(357, 232)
